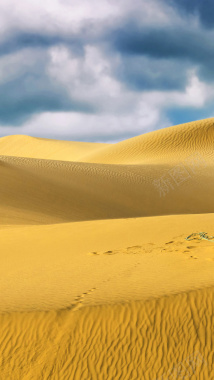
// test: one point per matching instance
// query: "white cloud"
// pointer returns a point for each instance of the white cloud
(89, 75)
(64, 17)
(51, 16)
(196, 94)
(79, 126)
(145, 110)
(88, 78)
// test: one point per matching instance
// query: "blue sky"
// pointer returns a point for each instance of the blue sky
(104, 70)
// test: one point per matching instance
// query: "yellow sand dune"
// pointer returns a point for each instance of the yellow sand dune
(34, 147)
(49, 191)
(106, 261)
(169, 145)
(97, 278)
(163, 338)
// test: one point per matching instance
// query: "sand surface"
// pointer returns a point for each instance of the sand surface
(97, 278)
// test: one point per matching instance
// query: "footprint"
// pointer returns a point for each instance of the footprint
(109, 253)
(191, 246)
(94, 253)
(102, 253)
(80, 299)
(170, 242)
(134, 247)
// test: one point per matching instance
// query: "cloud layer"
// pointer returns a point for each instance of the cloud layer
(104, 71)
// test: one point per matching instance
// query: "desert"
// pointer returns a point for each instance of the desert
(98, 279)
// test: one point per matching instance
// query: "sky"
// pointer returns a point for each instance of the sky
(104, 71)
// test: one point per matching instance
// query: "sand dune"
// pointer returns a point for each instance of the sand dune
(49, 191)
(97, 278)
(139, 340)
(170, 145)
(34, 147)
(115, 260)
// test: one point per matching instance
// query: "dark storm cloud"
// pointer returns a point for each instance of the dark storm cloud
(145, 73)
(204, 9)
(170, 52)
(20, 40)
(170, 42)
(32, 93)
